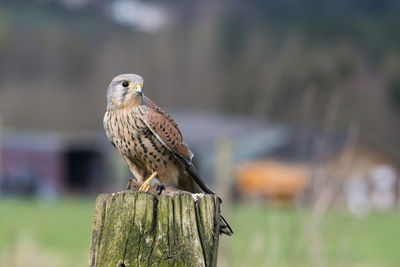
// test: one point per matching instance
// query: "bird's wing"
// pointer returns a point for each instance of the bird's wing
(163, 126)
(166, 130)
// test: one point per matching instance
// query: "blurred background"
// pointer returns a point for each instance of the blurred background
(291, 107)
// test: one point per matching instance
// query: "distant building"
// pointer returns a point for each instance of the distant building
(47, 164)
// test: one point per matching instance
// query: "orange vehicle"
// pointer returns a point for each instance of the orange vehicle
(272, 179)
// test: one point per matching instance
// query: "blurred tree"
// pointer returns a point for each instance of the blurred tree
(266, 59)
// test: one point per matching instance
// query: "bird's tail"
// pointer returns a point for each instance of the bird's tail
(224, 226)
(196, 177)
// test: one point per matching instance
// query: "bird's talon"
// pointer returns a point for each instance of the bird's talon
(160, 188)
(144, 187)
(147, 183)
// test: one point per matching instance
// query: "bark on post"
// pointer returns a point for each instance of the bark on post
(175, 228)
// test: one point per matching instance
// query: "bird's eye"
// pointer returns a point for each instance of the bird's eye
(125, 84)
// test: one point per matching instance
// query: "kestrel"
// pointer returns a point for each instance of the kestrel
(149, 140)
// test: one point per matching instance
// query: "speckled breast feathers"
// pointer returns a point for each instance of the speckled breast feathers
(148, 139)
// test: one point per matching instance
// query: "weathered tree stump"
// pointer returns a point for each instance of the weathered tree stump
(175, 228)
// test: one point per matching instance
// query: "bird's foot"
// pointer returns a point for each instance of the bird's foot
(147, 184)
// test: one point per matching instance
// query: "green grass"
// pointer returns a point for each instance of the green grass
(57, 234)
(287, 237)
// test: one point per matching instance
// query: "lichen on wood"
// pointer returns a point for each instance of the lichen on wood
(175, 228)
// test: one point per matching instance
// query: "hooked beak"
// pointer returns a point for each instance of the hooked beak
(138, 90)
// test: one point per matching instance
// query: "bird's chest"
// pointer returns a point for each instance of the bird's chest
(136, 142)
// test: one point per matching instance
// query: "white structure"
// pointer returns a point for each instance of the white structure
(148, 17)
(383, 194)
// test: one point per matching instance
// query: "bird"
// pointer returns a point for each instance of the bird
(149, 140)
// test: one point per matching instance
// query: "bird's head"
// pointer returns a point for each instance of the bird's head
(125, 90)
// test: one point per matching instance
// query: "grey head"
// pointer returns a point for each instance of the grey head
(125, 90)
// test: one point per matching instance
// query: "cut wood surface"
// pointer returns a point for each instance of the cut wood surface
(174, 228)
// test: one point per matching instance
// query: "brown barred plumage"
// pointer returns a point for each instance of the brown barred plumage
(149, 139)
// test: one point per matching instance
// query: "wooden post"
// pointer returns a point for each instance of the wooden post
(175, 228)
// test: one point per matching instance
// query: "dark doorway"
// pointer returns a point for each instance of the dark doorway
(85, 170)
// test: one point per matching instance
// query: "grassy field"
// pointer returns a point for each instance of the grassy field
(288, 237)
(57, 234)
